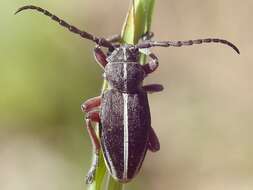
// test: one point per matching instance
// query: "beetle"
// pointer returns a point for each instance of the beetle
(123, 110)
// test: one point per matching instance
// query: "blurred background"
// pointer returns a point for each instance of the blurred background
(203, 118)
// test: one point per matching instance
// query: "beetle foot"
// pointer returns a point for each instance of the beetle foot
(90, 176)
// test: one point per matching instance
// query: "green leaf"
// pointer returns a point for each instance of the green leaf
(138, 22)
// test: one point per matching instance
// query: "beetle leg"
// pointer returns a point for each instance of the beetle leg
(100, 56)
(91, 104)
(152, 65)
(151, 88)
(115, 38)
(153, 141)
(93, 116)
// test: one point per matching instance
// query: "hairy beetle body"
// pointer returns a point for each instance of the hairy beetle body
(126, 122)
(125, 115)
(123, 110)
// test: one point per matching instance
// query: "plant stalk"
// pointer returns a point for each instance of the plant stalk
(137, 23)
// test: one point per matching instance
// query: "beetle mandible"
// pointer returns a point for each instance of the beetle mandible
(123, 110)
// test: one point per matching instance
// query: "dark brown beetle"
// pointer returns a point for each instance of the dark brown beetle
(123, 110)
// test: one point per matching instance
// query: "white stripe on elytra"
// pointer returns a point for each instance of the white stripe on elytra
(124, 52)
(125, 123)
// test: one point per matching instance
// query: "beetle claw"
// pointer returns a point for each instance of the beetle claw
(90, 176)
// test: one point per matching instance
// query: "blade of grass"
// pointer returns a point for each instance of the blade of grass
(114, 185)
(137, 23)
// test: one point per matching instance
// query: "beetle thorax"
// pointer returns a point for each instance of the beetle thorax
(126, 77)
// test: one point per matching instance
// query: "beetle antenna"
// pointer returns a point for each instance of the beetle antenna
(100, 41)
(149, 44)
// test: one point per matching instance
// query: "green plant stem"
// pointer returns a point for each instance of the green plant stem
(137, 23)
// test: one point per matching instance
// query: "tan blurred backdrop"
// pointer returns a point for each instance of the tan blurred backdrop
(203, 118)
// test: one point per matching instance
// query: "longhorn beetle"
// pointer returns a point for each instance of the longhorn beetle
(123, 110)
